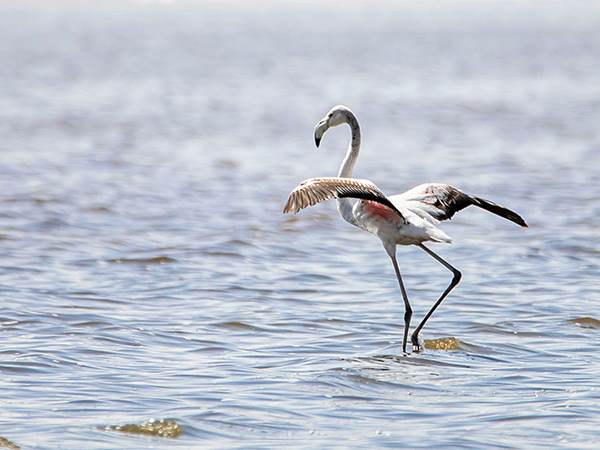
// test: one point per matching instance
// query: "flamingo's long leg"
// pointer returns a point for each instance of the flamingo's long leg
(455, 279)
(407, 308)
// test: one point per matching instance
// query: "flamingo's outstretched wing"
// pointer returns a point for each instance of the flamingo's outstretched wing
(442, 201)
(317, 190)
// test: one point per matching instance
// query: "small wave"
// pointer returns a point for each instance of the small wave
(122, 341)
(307, 277)
(98, 209)
(91, 324)
(240, 242)
(151, 260)
(384, 360)
(234, 325)
(225, 163)
(44, 200)
(226, 253)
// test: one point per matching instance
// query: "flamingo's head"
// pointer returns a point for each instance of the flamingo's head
(336, 116)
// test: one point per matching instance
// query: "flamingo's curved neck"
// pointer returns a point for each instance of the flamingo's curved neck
(353, 149)
(344, 204)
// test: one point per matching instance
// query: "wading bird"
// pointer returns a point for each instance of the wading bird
(410, 218)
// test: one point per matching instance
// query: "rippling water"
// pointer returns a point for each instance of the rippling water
(147, 272)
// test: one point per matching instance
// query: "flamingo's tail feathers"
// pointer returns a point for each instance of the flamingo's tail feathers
(499, 210)
(441, 237)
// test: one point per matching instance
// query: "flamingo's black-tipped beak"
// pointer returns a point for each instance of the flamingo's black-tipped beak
(320, 130)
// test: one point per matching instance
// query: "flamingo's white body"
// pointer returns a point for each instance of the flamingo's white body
(409, 218)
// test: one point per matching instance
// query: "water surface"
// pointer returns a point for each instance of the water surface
(147, 271)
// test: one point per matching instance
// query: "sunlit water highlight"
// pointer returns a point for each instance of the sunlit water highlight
(147, 272)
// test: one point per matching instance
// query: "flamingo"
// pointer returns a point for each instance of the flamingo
(410, 218)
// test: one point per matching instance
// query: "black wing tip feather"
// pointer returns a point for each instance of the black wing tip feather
(519, 221)
(500, 210)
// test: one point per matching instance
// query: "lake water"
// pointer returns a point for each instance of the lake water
(146, 152)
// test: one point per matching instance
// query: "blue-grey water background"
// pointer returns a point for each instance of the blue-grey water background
(146, 270)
